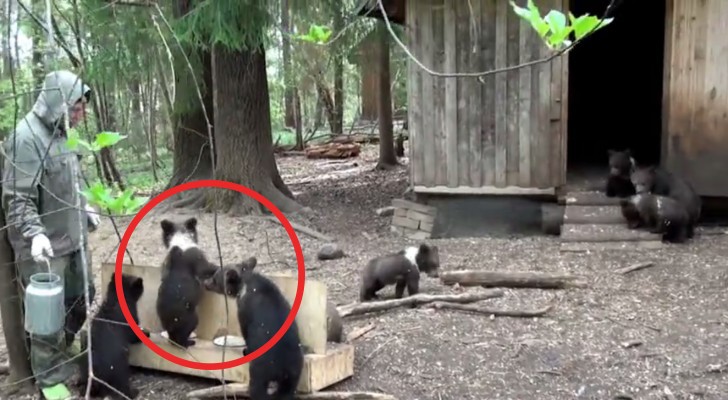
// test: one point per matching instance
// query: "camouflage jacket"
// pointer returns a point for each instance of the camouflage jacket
(44, 202)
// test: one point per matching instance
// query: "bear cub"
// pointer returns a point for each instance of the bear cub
(262, 309)
(181, 288)
(110, 339)
(401, 269)
(621, 165)
(659, 214)
(661, 182)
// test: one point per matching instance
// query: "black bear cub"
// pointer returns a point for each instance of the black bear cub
(262, 309)
(621, 165)
(661, 182)
(227, 280)
(110, 340)
(181, 288)
(659, 214)
(401, 269)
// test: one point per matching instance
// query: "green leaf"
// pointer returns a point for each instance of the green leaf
(521, 12)
(133, 205)
(586, 23)
(106, 139)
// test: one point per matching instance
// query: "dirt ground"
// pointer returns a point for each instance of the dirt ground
(658, 333)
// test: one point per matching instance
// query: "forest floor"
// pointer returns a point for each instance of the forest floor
(651, 334)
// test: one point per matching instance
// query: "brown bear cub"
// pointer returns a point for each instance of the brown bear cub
(401, 269)
(659, 214)
(661, 182)
(621, 165)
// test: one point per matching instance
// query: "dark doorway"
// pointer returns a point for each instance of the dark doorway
(616, 84)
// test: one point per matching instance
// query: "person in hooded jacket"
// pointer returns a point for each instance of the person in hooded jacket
(38, 198)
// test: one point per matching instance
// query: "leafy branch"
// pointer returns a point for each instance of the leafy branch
(318, 34)
(99, 194)
(553, 28)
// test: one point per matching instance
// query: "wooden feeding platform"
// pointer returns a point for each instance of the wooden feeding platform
(413, 220)
(327, 364)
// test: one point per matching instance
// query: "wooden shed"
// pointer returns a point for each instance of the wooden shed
(654, 81)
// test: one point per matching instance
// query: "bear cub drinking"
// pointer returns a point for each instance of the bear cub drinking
(180, 289)
(660, 214)
(401, 269)
(621, 165)
(110, 340)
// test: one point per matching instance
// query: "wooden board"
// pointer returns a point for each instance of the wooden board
(497, 131)
(311, 317)
(604, 233)
(591, 198)
(593, 215)
(319, 370)
(580, 247)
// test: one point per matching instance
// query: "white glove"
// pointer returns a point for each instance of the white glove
(94, 218)
(40, 248)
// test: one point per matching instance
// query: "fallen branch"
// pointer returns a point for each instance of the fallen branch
(439, 305)
(356, 334)
(635, 267)
(536, 280)
(241, 390)
(303, 229)
(418, 299)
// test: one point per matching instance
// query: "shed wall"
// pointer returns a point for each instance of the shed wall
(505, 134)
(696, 93)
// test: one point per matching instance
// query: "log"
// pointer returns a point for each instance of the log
(552, 217)
(302, 229)
(439, 305)
(333, 150)
(536, 280)
(634, 267)
(241, 390)
(415, 300)
(356, 334)
(11, 306)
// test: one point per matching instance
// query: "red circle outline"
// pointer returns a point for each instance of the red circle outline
(222, 185)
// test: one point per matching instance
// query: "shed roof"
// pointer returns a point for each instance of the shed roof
(395, 10)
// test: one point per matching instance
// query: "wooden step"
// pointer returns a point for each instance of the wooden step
(604, 233)
(588, 198)
(574, 214)
(579, 247)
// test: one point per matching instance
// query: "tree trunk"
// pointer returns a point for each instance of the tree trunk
(299, 119)
(289, 106)
(244, 139)
(11, 306)
(338, 125)
(38, 39)
(387, 157)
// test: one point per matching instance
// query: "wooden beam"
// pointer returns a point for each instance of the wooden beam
(487, 190)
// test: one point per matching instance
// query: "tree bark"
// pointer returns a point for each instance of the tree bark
(387, 157)
(244, 139)
(288, 96)
(338, 125)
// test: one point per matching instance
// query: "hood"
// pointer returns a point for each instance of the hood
(61, 89)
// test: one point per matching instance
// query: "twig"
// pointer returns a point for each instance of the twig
(634, 267)
(415, 300)
(303, 229)
(369, 357)
(441, 305)
(359, 332)
(241, 390)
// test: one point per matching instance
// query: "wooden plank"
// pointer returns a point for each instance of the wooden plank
(512, 105)
(311, 316)
(554, 121)
(501, 93)
(604, 233)
(589, 199)
(593, 215)
(464, 91)
(541, 143)
(438, 18)
(453, 107)
(583, 247)
(414, 94)
(526, 118)
(564, 106)
(492, 102)
(427, 101)
(487, 190)
(668, 57)
(476, 108)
